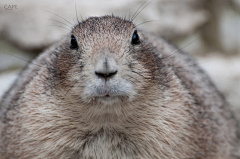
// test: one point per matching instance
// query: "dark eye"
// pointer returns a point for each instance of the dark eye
(74, 44)
(135, 38)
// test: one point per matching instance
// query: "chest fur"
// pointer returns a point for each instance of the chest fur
(110, 145)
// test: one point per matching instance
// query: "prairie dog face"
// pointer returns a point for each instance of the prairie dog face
(105, 61)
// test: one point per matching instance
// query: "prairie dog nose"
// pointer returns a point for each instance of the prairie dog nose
(106, 67)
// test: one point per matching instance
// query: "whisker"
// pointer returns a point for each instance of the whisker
(124, 111)
(124, 16)
(137, 11)
(22, 59)
(61, 27)
(126, 53)
(75, 21)
(133, 78)
(59, 16)
(59, 82)
(140, 11)
(191, 65)
(81, 18)
(79, 83)
(146, 22)
(70, 89)
(76, 13)
(62, 80)
(181, 48)
(60, 22)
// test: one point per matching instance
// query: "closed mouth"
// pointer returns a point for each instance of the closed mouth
(107, 97)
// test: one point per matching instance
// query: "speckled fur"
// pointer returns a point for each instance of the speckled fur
(167, 107)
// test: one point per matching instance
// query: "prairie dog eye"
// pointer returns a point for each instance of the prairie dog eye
(74, 44)
(135, 38)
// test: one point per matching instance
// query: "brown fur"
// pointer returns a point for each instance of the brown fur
(162, 104)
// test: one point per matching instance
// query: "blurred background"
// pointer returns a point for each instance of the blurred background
(209, 30)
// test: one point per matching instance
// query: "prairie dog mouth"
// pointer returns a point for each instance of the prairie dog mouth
(108, 97)
(108, 100)
(113, 90)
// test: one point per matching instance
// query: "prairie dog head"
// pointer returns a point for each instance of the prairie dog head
(105, 62)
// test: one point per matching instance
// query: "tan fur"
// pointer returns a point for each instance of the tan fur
(161, 104)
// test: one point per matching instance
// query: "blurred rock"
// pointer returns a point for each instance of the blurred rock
(225, 73)
(222, 32)
(28, 26)
(236, 4)
(12, 58)
(6, 79)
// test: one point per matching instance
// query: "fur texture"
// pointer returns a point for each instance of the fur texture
(157, 103)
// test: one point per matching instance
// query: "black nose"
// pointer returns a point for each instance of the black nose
(105, 74)
(106, 68)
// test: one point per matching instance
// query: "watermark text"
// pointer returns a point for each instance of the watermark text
(10, 7)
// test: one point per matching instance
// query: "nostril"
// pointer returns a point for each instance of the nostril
(106, 75)
(112, 74)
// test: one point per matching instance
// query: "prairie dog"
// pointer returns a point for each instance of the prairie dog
(109, 90)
